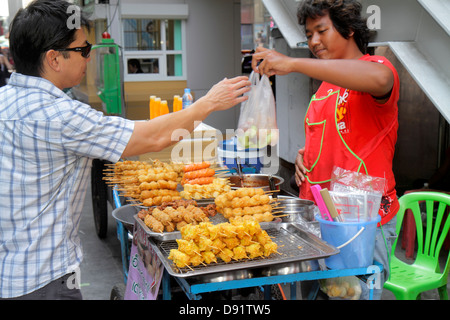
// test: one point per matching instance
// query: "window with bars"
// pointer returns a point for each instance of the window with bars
(153, 49)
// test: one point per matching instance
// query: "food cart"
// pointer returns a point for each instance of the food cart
(146, 253)
(299, 258)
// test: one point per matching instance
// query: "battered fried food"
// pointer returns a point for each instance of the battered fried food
(149, 183)
(205, 243)
(153, 223)
(175, 217)
(245, 204)
(217, 187)
(180, 259)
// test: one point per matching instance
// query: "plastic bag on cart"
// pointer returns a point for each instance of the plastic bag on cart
(348, 288)
(257, 126)
(356, 196)
(313, 228)
(347, 180)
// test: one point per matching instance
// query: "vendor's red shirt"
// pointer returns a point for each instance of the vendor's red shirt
(368, 128)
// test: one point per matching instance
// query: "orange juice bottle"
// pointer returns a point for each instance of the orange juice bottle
(180, 103)
(157, 107)
(175, 103)
(152, 107)
(164, 107)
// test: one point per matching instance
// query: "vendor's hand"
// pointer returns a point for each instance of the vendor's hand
(300, 170)
(228, 93)
(272, 62)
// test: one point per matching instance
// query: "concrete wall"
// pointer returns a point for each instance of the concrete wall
(213, 51)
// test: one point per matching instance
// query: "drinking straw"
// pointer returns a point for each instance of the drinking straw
(320, 203)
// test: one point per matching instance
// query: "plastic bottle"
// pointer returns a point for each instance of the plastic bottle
(157, 107)
(187, 98)
(152, 107)
(177, 104)
(164, 107)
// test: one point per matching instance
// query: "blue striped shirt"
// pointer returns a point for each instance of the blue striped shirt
(47, 145)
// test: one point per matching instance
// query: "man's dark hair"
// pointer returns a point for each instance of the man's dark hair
(345, 15)
(41, 26)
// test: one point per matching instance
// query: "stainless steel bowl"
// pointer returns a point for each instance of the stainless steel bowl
(256, 180)
(294, 207)
(290, 268)
(225, 276)
(125, 214)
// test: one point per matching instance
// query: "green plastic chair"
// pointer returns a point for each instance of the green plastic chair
(408, 281)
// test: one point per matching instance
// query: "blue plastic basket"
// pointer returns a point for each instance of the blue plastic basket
(251, 159)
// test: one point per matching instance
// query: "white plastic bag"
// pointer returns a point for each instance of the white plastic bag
(257, 122)
(356, 196)
(348, 287)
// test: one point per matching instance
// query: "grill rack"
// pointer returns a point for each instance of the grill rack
(294, 245)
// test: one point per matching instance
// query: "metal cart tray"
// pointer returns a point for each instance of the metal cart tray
(166, 236)
(294, 245)
(201, 202)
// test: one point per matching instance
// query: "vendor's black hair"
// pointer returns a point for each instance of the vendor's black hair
(345, 15)
(41, 26)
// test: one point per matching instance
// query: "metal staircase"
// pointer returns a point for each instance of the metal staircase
(427, 55)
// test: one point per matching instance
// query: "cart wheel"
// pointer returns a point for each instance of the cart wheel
(99, 191)
(276, 292)
(117, 292)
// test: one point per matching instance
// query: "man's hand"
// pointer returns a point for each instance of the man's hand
(227, 93)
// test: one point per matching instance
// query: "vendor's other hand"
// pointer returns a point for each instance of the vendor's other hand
(271, 62)
(228, 93)
(300, 170)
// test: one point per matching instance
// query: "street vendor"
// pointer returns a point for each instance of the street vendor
(351, 121)
(48, 143)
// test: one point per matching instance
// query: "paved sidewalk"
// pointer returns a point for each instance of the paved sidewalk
(101, 268)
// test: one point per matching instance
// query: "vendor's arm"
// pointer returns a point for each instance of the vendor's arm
(156, 134)
(364, 76)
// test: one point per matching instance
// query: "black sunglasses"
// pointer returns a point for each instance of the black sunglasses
(85, 51)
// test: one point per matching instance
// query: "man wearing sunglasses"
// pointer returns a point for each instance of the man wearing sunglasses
(85, 51)
(48, 143)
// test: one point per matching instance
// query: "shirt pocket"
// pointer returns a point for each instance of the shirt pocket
(314, 142)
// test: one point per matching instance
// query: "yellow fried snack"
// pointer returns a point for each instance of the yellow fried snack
(180, 259)
(205, 243)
